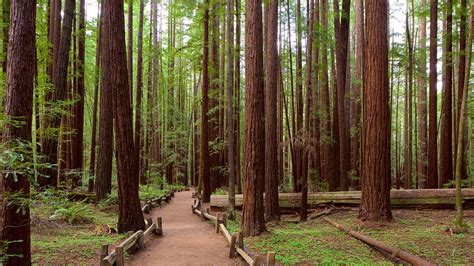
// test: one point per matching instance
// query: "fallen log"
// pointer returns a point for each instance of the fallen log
(399, 198)
(395, 252)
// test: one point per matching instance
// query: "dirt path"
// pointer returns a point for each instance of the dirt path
(186, 241)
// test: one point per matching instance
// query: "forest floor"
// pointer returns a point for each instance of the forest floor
(67, 232)
(421, 232)
(186, 239)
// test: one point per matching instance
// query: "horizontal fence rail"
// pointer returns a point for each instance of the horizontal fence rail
(236, 241)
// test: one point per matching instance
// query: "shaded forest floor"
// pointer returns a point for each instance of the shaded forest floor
(421, 232)
(65, 231)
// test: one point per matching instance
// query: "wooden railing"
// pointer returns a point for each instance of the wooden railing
(236, 241)
(137, 239)
(133, 242)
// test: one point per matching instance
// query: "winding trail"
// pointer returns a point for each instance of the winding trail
(186, 239)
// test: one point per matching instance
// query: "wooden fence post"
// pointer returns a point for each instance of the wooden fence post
(233, 241)
(120, 261)
(224, 219)
(271, 258)
(240, 240)
(141, 240)
(104, 251)
(149, 222)
(218, 219)
(159, 223)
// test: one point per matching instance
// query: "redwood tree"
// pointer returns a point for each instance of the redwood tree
(130, 214)
(50, 142)
(446, 124)
(18, 105)
(422, 159)
(272, 209)
(253, 222)
(341, 27)
(432, 180)
(204, 178)
(104, 163)
(376, 179)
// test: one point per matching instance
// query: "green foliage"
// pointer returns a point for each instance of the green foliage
(73, 214)
(220, 191)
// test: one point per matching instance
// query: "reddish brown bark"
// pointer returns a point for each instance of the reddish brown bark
(253, 222)
(375, 204)
(130, 214)
(214, 100)
(103, 185)
(77, 143)
(92, 162)
(432, 180)
(18, 105)
(204, 178)
(138, 115)
(272, 209)
(130, 49)
(422, 159)
(461, 75)
(237, 96)
(341, 22)
(356, 98)
(446, 124)
(308, 110)
(327, 172)
(50, 143)
(407, 124)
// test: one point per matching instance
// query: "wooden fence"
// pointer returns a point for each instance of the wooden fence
(236, 241)
(136, 240)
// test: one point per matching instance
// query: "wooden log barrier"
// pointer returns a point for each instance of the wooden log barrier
(399, 198)
(396, 252)
(136, 240)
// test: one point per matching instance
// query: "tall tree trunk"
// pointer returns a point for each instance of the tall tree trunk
(326, 171)
(237, 96)
(307, 154)
(18, 104)
(315, 88)
(230, 106)
(462, 126)
(341, 22)
(272, 208)
(375, 205)
(432, 180)
(92, 162)
(407, 125)
(50, 143)
(138, 112)
(356, 97)
(130, 49)
(103, 185)
(299, 101)
(253, 222)
(422, 159)
(461, 75)
(214, 96)
(446, 132)
(204, 178)
(130, 214)
(78, 114)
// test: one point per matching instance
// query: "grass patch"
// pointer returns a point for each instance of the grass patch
(313, 243)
